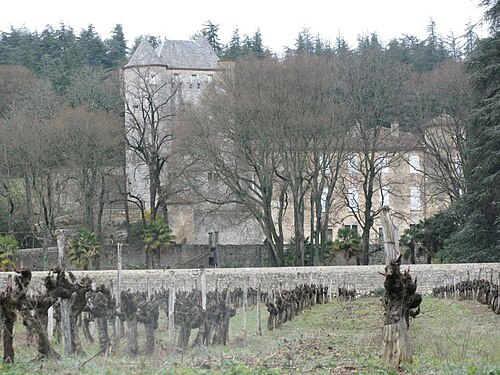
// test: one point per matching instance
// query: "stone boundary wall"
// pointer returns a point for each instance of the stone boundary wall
(176, 256)
(365, 279)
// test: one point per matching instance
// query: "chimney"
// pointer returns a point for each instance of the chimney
(395, 128)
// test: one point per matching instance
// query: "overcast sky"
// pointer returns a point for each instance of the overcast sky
(278, 20)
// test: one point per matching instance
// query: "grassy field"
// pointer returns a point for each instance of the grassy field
(449, 337)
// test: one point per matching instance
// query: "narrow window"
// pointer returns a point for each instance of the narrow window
(193, 81)
(329, 235)
(384, 164)
(324, 195)
(415, 199)
(414, 163)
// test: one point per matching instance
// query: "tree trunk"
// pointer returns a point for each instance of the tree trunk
(400, 302)
(300, 251)
(102, 326)
(133, 346)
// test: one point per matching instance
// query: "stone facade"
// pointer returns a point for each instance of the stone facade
(401, 160)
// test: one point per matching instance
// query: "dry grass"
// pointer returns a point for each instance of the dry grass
(449, 337)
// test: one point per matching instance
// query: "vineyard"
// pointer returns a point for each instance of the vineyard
(68, 305)
(75, 318)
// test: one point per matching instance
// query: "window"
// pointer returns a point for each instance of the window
(175, 79)
(212, 176)
(415, 199)
(324, 195)
(329, 235)
(353, 197)
(414, 161)
(384, 196)
(353, 163)
(384, 164)
(353, 227)
(380, 235)
(210, 78)
(194, 81)
(153, 78)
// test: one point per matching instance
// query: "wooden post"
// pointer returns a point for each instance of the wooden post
(50, 323)
(387, 230)
(245, 311)
(259, 325)
(203, 282)
(64, 303)
(118, 321)
(171, 308)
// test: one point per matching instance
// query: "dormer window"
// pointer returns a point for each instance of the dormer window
(174, 79)
(194, 81)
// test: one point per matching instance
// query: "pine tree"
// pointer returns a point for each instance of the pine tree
(234, 49)
(211, 32)
(92, 47)
(478, 238)
(116, 48)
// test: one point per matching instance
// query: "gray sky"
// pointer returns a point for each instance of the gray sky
(278, 20)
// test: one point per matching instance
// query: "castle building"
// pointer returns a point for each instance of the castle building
(175, 75)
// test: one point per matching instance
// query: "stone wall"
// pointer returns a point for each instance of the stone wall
(365, 279)
(176, 256)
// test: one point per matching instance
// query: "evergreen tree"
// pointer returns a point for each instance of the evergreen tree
(92, 47)
(341, 45)
(234, 49)
(478, 238)
(470, 39)
(257, 46)
(211, 32)
(304, 42)
(116, 48)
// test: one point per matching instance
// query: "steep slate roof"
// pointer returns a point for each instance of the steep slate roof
(175, 54)
(144, 55)
(188, 54)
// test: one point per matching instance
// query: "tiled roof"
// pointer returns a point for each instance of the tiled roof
(387, 139)
(176, 54)
(144, 55)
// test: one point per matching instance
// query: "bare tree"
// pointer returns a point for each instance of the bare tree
(29, 125)
(91, 145)
(233, 143)
(441, 101)
(258, 130)
(308, 133)
(371, 91)
(150, 105)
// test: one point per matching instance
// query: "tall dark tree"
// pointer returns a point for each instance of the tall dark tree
(92, 47)
(116, 48)
(233, 50)
(479, 237)
(211, 32)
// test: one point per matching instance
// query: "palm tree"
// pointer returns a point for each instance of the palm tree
(156, 235)
(347, 241)
(85, 250)
(8, 248)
